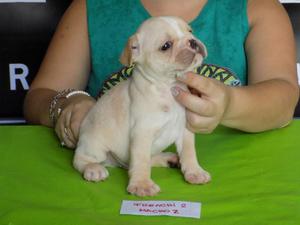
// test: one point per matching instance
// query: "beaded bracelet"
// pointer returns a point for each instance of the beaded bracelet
(53, 112)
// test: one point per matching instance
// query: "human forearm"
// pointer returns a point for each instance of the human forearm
(262, 106)
(36, 106)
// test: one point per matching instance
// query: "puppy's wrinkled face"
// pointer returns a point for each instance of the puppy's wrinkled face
(165, 46)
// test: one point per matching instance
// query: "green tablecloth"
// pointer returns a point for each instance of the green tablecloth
(255, 180)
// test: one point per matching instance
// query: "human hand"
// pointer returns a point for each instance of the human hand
(74, 109)
(205, 104)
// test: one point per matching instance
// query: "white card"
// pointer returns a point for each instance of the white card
(161, 208)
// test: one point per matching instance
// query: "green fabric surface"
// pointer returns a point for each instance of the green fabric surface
(255, 180)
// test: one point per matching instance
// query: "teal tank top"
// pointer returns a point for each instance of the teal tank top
(222, 26)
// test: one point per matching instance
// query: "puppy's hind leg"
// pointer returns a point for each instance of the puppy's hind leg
(87, 159)
(165, 159)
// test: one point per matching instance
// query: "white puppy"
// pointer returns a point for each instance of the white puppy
(137, 119)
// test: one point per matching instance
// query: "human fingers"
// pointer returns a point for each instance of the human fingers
(75, 123)
(202, 84)
(199, 124)
(61, 131)
(68, 129)
(194, 103)
(79, 112)
(58, 132)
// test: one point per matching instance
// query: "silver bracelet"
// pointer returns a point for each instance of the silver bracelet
(53, 112)
(76, 92)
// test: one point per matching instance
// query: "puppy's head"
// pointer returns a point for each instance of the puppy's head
(164, 46)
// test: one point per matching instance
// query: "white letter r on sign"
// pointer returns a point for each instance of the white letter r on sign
(14, 76)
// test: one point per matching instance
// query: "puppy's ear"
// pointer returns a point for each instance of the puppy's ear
(131, 51)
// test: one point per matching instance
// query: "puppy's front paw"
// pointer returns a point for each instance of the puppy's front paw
(95, 172)
(143, 188)
(198, 176)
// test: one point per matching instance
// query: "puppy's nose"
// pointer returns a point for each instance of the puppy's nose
(194, 45)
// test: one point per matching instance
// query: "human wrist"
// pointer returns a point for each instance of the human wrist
(229, 112)
(58, 102)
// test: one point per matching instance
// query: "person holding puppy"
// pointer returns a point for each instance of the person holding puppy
(252, 38)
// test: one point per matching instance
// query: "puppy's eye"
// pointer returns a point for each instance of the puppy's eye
(166, 46)
(190, 31)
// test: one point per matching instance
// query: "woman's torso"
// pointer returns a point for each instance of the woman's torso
(222, 26)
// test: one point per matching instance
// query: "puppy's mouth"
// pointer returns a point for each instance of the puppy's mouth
(185, 57)
(188, 59)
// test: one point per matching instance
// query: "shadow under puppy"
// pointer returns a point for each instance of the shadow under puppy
(138, 118)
